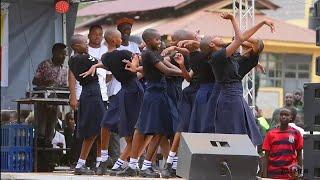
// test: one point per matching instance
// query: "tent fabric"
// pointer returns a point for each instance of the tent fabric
(34, 27)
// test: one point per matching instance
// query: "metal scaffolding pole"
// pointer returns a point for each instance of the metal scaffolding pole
(244, 11)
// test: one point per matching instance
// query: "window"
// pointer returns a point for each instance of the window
(297, 70)
(273, 65)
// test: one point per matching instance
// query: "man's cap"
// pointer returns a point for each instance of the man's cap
(125, 20)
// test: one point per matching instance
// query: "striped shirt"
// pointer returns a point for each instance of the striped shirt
(282, 147)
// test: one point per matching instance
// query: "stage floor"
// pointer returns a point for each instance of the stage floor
(67, 176)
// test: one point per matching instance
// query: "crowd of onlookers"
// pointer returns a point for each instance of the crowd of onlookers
(281, 150)
(292, 101)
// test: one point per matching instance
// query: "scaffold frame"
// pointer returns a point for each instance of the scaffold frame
(244, 11)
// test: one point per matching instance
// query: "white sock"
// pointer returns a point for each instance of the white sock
(175, 162)
(98, 161)
(118, 164)
(133, 163)
(171, 156)
(146, 165)
(104, 155)
(80, 163)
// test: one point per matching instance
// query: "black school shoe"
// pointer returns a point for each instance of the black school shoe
(103, 167)
(127, 172)
(167, 171)
(149, 173)
(113, 172)
(83, 170)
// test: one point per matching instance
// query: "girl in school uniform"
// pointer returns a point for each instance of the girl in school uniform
(232, 113)
(206, 82)
(124, 108)
(155, 117)
(91, 107)
(185, 102)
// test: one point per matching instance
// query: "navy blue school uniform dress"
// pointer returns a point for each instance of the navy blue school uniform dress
(186, 103)
(125, 107)
(155, 115)
(91, 107)
(233, 115)
(206, 81)
(174, 90)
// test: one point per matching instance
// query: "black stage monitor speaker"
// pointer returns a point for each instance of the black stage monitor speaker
(311, 156)
(317, 8)
(217, 156)
(312, 106)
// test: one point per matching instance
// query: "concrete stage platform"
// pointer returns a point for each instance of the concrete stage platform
(69, 176)
(66, 176)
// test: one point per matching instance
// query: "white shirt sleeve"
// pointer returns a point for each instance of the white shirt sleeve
(59, 138)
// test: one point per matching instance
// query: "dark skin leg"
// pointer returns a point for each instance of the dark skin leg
(153, 146)
(165, 148)
(127, 149)
(98, 140)
(86, 146)
(175, 143)
(137, 144)
(147, 141)
(105, 137)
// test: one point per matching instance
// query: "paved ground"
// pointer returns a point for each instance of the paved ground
(63, 176)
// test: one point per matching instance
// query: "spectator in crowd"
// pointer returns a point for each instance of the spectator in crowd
(262, 122)
(298, 104)
(5, 117)
(289, 105)
(60, 123)
(69, 133)
(264, 128)
(283, 146)
(30, 118)
(297, 100)
(23, 115)
(59, 141)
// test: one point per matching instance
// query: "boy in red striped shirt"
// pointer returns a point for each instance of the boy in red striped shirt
(283, 146)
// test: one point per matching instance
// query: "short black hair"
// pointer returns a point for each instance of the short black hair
(149, 34)
(58, 46)
(68, 116)
(96, 26)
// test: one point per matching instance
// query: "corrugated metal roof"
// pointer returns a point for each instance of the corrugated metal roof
(210, 23)
(125, 6)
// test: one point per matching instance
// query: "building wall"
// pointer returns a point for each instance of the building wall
(289, 71)
(270, 95)
(293, 11)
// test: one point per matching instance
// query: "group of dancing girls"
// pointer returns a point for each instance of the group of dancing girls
(212, 103)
